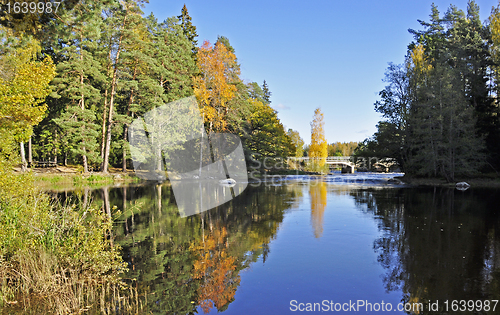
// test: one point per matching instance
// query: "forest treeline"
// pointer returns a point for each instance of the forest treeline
(440, 107)
(113, 64)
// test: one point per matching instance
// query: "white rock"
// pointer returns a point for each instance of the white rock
(227, 182)
(462, 186)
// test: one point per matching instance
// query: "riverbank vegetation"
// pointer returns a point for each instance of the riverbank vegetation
(55, 257)
(440, 108)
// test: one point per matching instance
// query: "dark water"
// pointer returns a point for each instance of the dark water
(358, 249)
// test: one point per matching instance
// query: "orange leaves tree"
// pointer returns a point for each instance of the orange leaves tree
(212, 88)
(216, 269)
(318, 147)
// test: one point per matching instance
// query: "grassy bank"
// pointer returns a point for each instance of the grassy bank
(72, 179)
(55, 258)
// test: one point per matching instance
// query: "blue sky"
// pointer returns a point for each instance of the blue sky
(329, 54)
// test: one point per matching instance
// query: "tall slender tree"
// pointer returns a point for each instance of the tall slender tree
(319, 146)
(188, 29)
(267, 92)
(121, 21)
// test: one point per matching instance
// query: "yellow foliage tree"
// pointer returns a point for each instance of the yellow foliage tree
(418, 65)
(318, 147)
(24, 84)
(212, 88)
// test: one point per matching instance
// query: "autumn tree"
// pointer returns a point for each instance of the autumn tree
(318, 147)
(24, 84)
(212, 88)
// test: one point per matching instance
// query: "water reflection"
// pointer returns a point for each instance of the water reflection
(437, 243)
(429, 244)
(181, 263)
(317, 192)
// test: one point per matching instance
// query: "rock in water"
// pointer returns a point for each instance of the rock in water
(227, 182)
(462, 186)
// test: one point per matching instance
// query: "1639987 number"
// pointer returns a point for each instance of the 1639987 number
(470, 305)
(32, 7)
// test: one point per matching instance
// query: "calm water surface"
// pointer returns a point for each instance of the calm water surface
(302, 241)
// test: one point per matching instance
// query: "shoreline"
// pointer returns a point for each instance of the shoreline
(479, 182)
(62, 177)
(72, 177)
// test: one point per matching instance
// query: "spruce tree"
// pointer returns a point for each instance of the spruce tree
(188, 29)
(267, 92)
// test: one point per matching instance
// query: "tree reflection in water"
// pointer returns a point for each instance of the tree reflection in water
(317, 192)
(437, 243)
(216, 269)
(178, 264)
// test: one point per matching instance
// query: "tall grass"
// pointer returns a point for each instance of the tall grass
(55, 258)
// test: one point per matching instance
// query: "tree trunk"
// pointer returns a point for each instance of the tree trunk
(85, 164)
(23, 159)
(82, 104)
(107, 210)
(124, 206)
(124, 154)
(30, 156)
(158, 190)
(125, 131)
(55, 150)
(85, 197)
(103, 143)
(104, 167)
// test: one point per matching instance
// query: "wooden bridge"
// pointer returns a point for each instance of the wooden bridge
(331, 160)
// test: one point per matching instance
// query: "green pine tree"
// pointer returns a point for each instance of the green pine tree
(77, 76)
(188, 29)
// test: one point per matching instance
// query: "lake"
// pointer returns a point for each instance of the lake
(355, 243)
